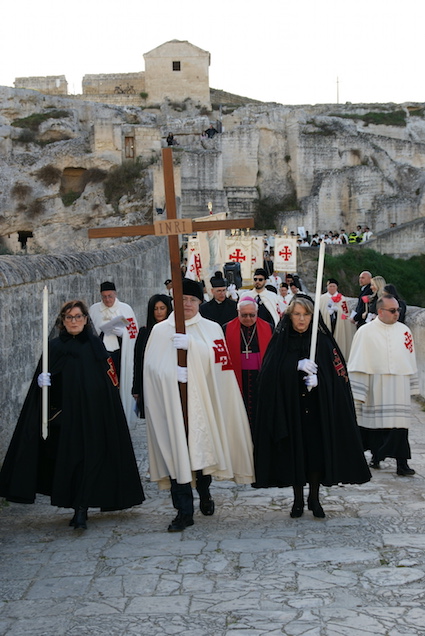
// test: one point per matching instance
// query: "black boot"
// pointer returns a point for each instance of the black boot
(313, 502)
(297, 509)
(206, 502)
(180, 523)
(72, 521)
(403, 469)
(80, 519)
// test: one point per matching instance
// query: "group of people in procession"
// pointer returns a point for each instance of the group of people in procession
(260, 408)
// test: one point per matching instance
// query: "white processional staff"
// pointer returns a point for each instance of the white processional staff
(317, 301)
(45, 363)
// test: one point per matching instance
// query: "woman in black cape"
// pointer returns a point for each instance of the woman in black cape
(160, 307)
(306, 429)
(87, 459)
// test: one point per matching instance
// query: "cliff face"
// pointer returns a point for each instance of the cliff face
(322, 167)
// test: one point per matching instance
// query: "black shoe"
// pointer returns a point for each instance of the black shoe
(297, 510)
(404, 471)
(80, 519)
(207, 506)
(375, 464)
(180, 523)
(72, 521)
(316, 508)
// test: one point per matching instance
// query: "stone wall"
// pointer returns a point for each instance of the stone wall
(51, 84)
(138, 270)
(114, 83)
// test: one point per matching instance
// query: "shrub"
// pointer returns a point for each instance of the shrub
(123, 180)
(21, 190)
(35, 207)
(68, 198)
(26, 136)
(392, 118)
(49, 175)
(144, 95)
(32, 122)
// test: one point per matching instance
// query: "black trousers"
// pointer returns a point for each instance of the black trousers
(182, 495)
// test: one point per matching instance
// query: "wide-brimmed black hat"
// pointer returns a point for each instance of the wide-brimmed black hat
(192, 288)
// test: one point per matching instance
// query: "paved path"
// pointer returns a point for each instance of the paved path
(250, 569)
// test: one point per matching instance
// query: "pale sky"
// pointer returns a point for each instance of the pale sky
(291, 52)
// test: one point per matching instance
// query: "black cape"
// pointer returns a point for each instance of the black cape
(219, 312)
(297, 432)
(87, 459)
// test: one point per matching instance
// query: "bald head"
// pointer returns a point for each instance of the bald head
(364, 278)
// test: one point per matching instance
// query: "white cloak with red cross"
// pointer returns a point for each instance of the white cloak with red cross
(344, 328)
(219, 440)
(100, 315)
(383, 374)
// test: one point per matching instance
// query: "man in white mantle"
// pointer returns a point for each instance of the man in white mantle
(218, 442)
(116, 324)
(383, 375)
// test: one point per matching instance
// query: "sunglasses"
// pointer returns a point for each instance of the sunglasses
(258, 279)
(392, 311)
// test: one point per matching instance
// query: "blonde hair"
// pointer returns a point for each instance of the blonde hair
(379, 282)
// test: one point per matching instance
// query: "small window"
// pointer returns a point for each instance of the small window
(176, 66)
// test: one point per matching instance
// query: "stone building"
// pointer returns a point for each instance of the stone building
(177, 70)
(52, 84)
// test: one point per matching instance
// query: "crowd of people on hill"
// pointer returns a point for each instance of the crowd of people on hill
(234, 389)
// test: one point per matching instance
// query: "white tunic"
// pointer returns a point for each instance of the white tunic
(383, 374)
(219, 441)
(344, 328)
(100, 315)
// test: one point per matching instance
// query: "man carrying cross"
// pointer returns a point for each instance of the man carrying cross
(217, 442)
(206, 432)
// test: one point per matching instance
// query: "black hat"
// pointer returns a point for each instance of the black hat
(192, 288)
(261, 272)
(167, 282)
(332, 280)
(218, 280)
(106, 286)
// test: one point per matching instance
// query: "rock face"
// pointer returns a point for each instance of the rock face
(322, 167)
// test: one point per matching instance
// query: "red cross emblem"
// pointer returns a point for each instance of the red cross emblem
(222, 355)
(131, 328)
(344, 307)
(238, 256)
(339, 365)
(112, 372)
(408, 341)
(286, 253)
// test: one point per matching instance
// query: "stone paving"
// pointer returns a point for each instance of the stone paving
(250, 569)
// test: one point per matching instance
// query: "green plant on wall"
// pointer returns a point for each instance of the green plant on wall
(123, 180)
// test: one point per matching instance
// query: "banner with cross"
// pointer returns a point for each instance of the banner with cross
(238, 250)
(285, 254)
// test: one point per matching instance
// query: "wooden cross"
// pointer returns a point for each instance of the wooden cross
(172, 227)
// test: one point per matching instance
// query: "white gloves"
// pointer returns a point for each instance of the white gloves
(44, 380)
(182, 374)
(181, 341)
(232, 291)
(332, 308)
(118, 331)
(311, 381)
(307, 366)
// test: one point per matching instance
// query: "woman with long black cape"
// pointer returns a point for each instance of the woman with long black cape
(306, 429)
(87, 459)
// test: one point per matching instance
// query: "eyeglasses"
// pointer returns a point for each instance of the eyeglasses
(247, 315)
(259, 279)
(392, 311)
(77, 318)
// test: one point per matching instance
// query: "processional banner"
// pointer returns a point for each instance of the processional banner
(257, 252)
(285, 254)
(238, 250)
(194, 267)
(211, 248)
